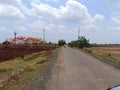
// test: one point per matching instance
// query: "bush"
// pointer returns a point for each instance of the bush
(6, 42)
(61, 42)
(81, 43)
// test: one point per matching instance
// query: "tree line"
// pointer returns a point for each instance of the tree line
(80, 43)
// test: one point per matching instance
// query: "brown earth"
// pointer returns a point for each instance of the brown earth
(8, 52)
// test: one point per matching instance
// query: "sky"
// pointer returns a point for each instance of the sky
(97, 20)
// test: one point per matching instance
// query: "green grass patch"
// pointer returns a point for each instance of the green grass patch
(33, 56)
(18, 65)
(4, 69)
(18, 60)
(31, 68)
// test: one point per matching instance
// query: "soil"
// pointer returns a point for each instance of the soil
(8, 52)
(41, 77)
(24, 83)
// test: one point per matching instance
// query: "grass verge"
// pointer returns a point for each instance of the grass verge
(16, 71)
(105, 54)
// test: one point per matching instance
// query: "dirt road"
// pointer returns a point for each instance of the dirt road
(75, 70)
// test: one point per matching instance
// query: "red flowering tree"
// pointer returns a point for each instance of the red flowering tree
(25, 40)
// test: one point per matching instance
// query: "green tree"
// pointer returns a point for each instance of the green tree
(81, 43)
(61, 42)
(6, 42)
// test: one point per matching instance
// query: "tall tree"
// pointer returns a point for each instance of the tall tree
(61, 42)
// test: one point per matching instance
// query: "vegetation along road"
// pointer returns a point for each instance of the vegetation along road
(75, 70)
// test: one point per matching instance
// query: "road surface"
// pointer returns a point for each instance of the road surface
(75, 70)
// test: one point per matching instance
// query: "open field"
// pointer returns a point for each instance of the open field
(20, 61)
(16, 71)
(111, 53)
(8, 52)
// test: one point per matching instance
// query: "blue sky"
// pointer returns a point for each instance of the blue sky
(99, 20)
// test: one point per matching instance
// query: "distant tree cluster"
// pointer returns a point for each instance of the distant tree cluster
(61, 42)
(81, 43)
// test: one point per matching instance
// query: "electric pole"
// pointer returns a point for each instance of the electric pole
(78, 33)
(43, 34)
(15, 34)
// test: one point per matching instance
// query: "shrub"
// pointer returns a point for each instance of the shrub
(81, 43)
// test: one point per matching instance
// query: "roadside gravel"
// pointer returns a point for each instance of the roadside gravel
(40, 78)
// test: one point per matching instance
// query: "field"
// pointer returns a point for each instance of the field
(19, 61)
(8, 52)
(111, 53)
(17, 70)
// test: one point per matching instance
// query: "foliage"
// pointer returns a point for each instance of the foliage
(6, 42)
(25, 40)
(81, 43)
(61, 42)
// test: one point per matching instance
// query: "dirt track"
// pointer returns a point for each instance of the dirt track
(75, 70)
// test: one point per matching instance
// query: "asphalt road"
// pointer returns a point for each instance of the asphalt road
(75, 70)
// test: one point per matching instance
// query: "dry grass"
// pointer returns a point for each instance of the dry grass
(18, 65)
(110, 53)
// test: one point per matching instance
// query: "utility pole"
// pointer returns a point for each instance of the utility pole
(15, 35)
(43, 34)
(78, 33)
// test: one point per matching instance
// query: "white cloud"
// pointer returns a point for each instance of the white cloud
(21, 28)
(3, 29)
(72, 12)
(115, 21)
(99, 17)
(115, 28)
(55, 0)
(52, 0)
(63, 28)
(43, 10)
(10, 12)
(35, 1)
(18, 2)
(37, 26)
(59, 21)
(115, 2)
(115, 17)
(7, 31)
